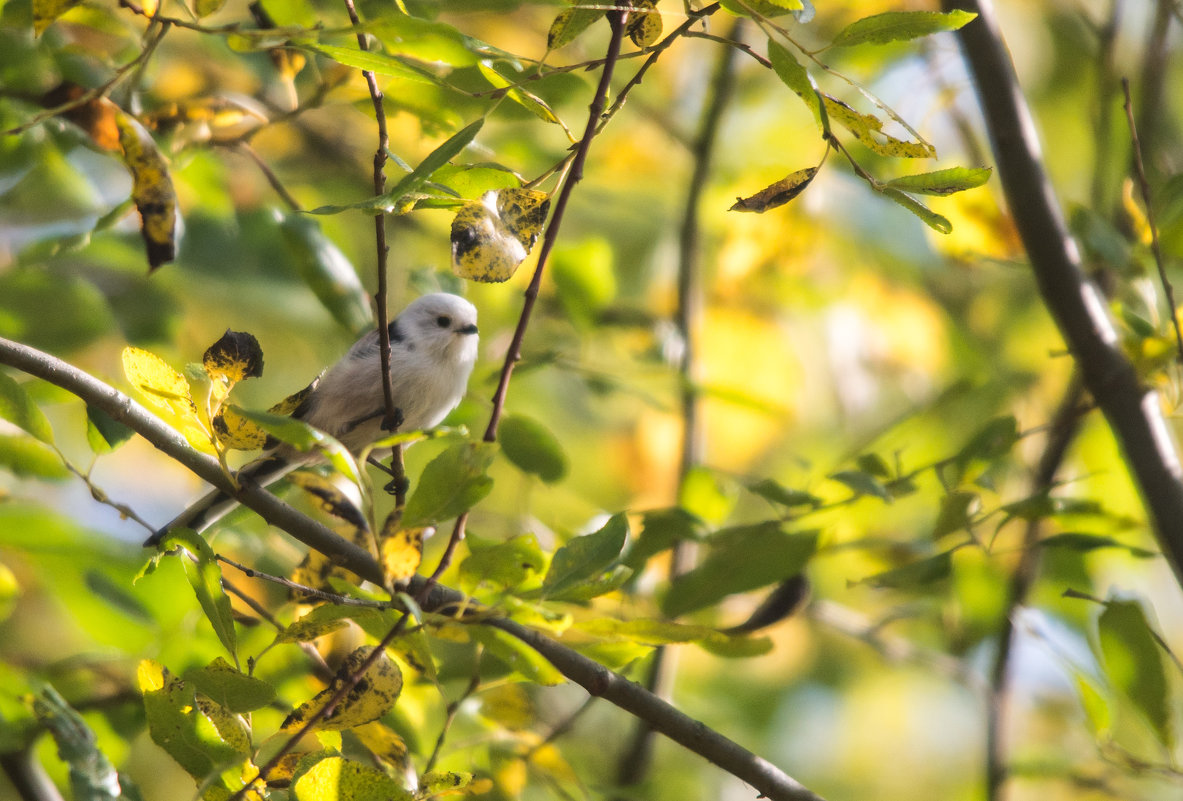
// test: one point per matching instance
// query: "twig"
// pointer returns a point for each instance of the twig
(1064, 427)
(637, 757)
(1155, 245)
(273, 179)
(392, 412)
(598, 680)
(453, 709)
(331, 597)
(1133, 412)
(574, 175)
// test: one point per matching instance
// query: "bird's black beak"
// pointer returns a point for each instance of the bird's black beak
(468, 329)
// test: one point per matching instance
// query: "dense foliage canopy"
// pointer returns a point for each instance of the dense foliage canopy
(795, 404)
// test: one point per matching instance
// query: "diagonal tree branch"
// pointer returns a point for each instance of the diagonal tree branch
(1134, 412)
(765, 777)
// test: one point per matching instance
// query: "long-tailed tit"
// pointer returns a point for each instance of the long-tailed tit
(433, 346)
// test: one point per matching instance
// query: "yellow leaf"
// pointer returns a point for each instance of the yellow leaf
(402, 549)
(336, 778)
(152, 190)
(509, 705)
(150, 676)
(868, 129)
(234, 357)
(369, 699)
(490, 238)
(166, 390)
(776, 194)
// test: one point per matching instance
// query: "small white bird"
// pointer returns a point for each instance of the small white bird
(433, 347)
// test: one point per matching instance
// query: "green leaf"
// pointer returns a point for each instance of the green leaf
(740, 559)
(92, 776)
(18, 408)
(1078, 541)
(797, 78)
(777, 493)
(913, 575)
(1134, 664)
(704, 495)
(205, 576)
(585, 557)
(451, 483)
(230, 687)
(894, 26)
(516, 655)
(531, 102)
(103, 433)
(506, 564)
(1096, 708)
(46, 11)
(533, 448)
(326, 270)
(929, 217)
(660, 529)
(25, 456)
(861, 483)
(868, 129)
(942, 182)
(585, 590)
(371, 61)
(957, 509)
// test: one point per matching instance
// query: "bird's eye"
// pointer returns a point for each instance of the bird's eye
(443, 321)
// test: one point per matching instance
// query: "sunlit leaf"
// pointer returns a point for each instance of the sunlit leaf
(868, 129)
(161, 385)
(957, 510)
(236, 356)
(18, 408)
(533, 448)
(527, 100)
(861, 483)
(585, 557)
(400, 549)
(797, 78)
(1096, 707)
(942, 182)
(894, 26)
(517, 655)
(740, 559)
(303, 437)
(369, 699)
(705, 495)
(383, 742)
(451, 483)
(152, 190)
(28, 457)
(230, 687)
(372, 61)
(205, 576)
(777, 194)
(570, 23)
(235, 432)
(1134, 664)
(335, 778)
(490, 238)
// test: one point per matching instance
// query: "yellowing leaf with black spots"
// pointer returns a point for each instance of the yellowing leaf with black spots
(644, 23)
(230, 687)
(235, 432)
(527, 100)
(237, 355)
(868, 129)
(152, 190)
(384, 743)
(371, 697)
(326, 497)
(315, 570)
(336, 778)
(166, 390)
(291, 403)
(46, 11)
(402, 550)
(776, 194)
(570, 23)
(490, 238)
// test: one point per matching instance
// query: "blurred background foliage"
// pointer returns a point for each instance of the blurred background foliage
(844, 350)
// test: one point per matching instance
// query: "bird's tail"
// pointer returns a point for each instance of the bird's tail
(207, 510)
